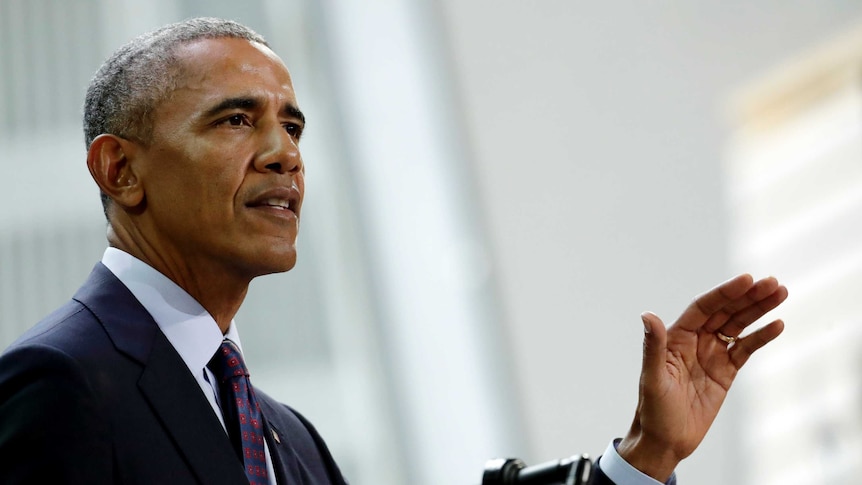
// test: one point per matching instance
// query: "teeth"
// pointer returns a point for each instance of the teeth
(284, 204)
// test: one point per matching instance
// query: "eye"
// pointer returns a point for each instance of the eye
(293, 129)
(236, 120)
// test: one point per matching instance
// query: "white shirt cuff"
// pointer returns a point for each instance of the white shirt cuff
(621, 472)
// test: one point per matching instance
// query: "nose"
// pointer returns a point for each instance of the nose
(279, 152)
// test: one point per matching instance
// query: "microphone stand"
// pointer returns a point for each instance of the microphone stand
(576, 470)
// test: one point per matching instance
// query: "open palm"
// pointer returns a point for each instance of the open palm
(689, 367)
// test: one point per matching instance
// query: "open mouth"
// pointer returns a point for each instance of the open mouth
(276, 203)
(281, 199)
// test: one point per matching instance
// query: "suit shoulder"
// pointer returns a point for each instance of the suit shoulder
(63, 328)
(63, 347)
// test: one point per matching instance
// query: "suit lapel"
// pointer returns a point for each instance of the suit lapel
(176, 398)
(274, 439)
(166, 384)
(280, 452)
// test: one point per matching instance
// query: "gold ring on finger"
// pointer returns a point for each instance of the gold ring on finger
(725, 338)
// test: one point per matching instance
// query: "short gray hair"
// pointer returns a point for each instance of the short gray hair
(137, 77)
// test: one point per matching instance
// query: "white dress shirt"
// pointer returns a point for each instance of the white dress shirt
(189, 328)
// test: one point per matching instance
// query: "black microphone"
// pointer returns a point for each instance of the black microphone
(512, 471)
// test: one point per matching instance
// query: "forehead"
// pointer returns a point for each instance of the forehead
(226, 66)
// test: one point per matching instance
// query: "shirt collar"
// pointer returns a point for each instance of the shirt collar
(188, 326)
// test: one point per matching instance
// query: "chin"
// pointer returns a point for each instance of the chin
(278, 263)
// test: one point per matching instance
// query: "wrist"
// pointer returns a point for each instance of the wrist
(650, 458)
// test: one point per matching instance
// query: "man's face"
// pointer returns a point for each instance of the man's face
(223, 177)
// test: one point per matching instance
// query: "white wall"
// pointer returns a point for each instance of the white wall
(598, 144)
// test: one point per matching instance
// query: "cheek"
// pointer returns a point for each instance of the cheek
(201, 180)
(217, 191)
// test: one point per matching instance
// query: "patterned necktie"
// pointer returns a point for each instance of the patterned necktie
(241, 411)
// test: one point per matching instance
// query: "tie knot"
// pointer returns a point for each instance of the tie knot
(227, 362)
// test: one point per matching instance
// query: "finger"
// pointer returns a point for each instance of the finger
(655, 346)
(759, 291)
(743, 348)
(713, 301)
(745, 317)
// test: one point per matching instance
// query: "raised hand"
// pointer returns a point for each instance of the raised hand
(689, 367)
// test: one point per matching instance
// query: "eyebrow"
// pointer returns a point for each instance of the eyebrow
(249, 103)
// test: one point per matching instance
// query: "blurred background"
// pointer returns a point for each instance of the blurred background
(496, 190)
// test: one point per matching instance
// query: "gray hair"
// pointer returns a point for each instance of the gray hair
(137, 77)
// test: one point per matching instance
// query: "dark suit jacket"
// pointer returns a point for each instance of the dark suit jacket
(96, 394)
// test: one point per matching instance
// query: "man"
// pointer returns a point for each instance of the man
(192, 134)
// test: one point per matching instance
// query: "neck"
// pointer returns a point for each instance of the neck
(217, 289)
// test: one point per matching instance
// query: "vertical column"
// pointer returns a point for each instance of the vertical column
(427, 255)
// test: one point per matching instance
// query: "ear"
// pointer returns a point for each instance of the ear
(111, 163)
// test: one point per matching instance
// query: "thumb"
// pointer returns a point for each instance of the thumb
(655, 345)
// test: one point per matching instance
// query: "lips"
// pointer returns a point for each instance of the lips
(277, 203)
(285, 199)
